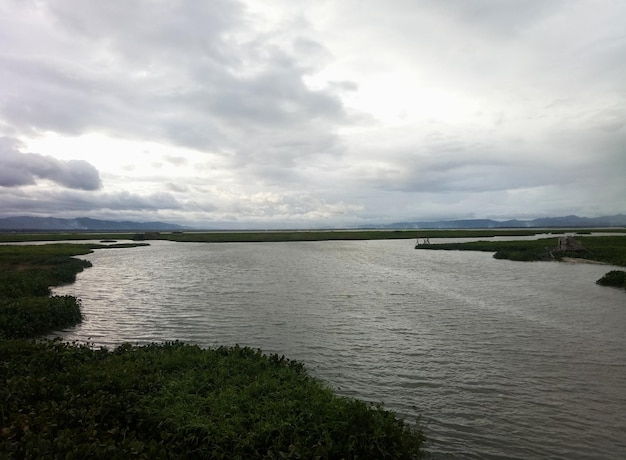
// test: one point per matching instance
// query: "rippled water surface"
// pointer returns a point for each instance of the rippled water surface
(499, 359)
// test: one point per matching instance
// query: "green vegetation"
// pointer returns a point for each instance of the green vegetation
(286, 235)
(614, 278)
(606, 249)
(171, 400)
(316, 235)
(514, 250)
(30, 270)
(179, 401)
(26, 275)
(15, 237)
(31, 316)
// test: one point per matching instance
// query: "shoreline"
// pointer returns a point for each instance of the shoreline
(576, 260)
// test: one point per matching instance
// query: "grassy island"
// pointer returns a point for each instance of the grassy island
(602, 249)
(169, 400)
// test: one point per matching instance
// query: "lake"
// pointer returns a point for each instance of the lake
(498, 359)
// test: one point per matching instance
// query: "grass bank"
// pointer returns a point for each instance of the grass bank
(23, 237)
(327, 235)
(170, 400)
(605, 249)
(26, 275)
(287, 235)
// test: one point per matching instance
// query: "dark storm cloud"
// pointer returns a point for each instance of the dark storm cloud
(17, 169)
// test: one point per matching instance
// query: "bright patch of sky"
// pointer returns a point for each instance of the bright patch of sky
(304, 114)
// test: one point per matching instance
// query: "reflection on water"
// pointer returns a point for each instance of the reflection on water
(500, 359)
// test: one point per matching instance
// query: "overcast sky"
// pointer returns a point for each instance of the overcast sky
(312, 113)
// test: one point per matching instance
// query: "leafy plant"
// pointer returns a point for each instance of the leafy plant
(26, 275)
(31, 316)
(614, 278)
(172, 400)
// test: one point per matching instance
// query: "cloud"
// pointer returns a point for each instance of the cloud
(327, 111)
(78, 203)
(174, 160)
(506, 19)
(18, 169)
(177, 187)
(179, 72)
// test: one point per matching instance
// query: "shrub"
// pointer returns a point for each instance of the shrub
(31, 316)
(180, 401)
(614, 278)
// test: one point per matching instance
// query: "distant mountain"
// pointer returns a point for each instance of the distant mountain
(25, 223)
(618, 220)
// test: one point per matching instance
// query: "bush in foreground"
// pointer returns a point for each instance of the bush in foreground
(180, 401)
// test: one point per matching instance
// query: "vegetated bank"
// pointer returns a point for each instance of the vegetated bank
(26, 275)
(23, 237)
(325, 235)
(246, 236)
(606, 249)
(169, 400)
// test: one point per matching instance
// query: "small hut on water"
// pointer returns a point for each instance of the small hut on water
(568, 243)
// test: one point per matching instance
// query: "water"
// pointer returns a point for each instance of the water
(499, 359)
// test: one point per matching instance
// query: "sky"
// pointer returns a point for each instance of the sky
(302, 114)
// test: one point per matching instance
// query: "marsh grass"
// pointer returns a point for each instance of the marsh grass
(606, 249)
(614, 278)
(32, 316)
(289, 235)
(14, 237)
(26, 275)
(332, 235)
(174, 400)
(527, 250)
